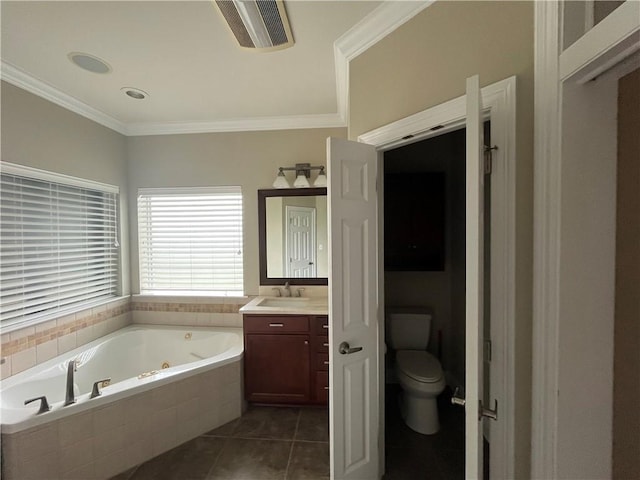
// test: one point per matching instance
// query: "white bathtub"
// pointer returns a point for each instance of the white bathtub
(136, 358)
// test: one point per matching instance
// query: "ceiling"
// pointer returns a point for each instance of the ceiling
(184, 56)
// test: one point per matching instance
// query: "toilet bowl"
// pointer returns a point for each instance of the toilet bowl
(422, 380)
(418, 372)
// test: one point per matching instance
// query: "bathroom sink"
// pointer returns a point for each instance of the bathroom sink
(283, 302)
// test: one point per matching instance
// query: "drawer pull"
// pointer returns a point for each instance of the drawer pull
(326, 362)
(326, 388)
(276, 324)
(325, 344)
(325, 326)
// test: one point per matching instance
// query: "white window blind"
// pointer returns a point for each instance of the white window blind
(59, 248)
(190, 240)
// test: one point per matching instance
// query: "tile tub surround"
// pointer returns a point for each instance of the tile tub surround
(24, 348)
(188, 311)
(103, 442)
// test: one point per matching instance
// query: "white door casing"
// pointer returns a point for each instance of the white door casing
(300, 258)
(353, 304)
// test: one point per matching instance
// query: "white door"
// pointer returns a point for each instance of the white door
(353, 287)
(300, 261)
(474, 280)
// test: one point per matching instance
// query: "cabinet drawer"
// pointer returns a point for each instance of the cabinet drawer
(322, 344)
(276, 323)
(322, 387)
(322, 325)
(322, 361)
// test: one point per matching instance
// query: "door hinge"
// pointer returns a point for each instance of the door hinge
(487, 351)
(488, 158)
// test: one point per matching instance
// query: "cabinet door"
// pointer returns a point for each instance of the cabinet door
(277, 368)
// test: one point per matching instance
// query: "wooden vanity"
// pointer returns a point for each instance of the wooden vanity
(286, 357)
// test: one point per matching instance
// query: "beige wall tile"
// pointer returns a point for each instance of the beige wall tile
(66, 343)
(108, 417)
(41, 327)
(163, 397)
(76, 455)
(165, 420)
(112, 464)
(187, 410)
(138, 452)
(23, 332)
(5, 368)
(75, 428)
(47, 466)
(38, 442)
(86, 472)
(164, 440)
(85, 335)
(23, 360)
(107, 442)
(46, 351)
(187, 389)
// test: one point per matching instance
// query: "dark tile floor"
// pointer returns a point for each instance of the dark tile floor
(284, 443)
(289, 443)
(413, 456)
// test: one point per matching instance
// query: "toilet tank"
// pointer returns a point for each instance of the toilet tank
(408, 331)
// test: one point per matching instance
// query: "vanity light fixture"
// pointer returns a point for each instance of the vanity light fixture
(303, 173)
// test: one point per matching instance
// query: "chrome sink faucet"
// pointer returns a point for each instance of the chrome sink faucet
(70, 397)
(287, 289)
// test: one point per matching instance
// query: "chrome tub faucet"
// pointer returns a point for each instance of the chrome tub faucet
(70, 394)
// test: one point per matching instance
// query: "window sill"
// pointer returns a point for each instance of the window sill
(184, 298)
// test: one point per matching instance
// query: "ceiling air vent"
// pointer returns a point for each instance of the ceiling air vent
(258, 24)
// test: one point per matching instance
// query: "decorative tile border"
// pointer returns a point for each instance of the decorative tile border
(186, 307)
(61, 328)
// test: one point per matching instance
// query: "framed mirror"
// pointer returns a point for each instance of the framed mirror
(293, 239)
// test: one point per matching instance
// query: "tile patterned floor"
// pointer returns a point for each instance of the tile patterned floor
(289, 443)
(413, 456)
(280, 443)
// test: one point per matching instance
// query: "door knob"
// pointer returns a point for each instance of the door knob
(345, 349)
(456, 399)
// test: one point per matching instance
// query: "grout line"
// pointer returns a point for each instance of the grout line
(215, 462)
(293, 442)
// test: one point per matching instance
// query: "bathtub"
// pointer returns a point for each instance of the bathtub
(168, 385)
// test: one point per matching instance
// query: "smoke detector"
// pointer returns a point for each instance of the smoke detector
(258, 24)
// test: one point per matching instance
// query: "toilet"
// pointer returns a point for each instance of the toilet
(418, 372)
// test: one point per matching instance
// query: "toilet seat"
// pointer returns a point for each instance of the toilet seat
(419, 365)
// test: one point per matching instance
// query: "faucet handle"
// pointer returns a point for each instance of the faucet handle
(299, 292)
(277, 290)
(44, 405)
(95, 391)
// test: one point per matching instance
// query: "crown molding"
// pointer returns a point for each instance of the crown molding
(370, 30)
(23, 80)
(289, 122)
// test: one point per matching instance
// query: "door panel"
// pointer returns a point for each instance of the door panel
(354, 405)
(474, 280)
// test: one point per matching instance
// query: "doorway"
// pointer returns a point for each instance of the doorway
(499, 106)
(424, 272)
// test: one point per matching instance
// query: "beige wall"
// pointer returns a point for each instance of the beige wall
(36, 133)
(248, 159)
(424, 63)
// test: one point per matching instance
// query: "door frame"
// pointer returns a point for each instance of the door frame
(499, 101)
(598, 50)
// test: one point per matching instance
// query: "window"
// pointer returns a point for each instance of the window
(190, 240)
(59, 245)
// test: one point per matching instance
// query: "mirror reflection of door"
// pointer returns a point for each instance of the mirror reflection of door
(300, 257)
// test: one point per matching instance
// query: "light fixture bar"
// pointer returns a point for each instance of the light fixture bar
(303, 173)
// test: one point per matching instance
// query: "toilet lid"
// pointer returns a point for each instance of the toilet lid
(419, 365)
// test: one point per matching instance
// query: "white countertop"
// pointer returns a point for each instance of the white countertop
(287, 306)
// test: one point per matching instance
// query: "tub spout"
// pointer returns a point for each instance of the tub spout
(70, 397)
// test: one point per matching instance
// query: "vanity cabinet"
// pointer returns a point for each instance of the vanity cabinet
(286, 359)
